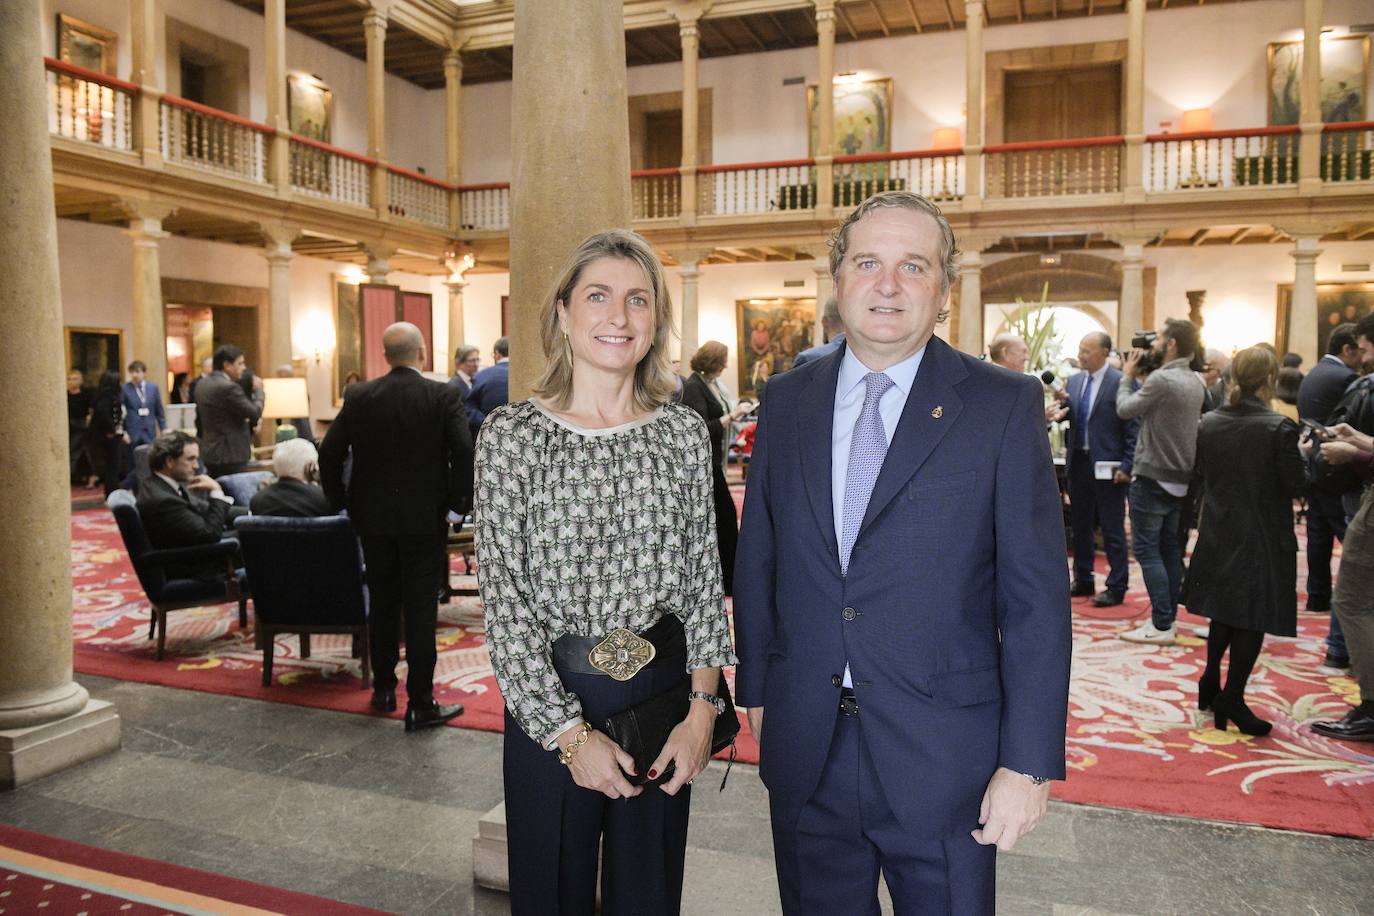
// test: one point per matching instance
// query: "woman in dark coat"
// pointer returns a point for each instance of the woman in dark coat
(702, 392)
(107, 431)
(1244, 571)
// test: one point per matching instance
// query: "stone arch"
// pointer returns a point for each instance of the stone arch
(1077, 278)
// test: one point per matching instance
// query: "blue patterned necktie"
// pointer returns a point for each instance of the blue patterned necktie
(1080, 426)
(867, 449)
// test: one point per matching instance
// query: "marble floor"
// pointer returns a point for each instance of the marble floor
(350, 808)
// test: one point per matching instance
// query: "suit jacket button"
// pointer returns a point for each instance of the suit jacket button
(849, 613)
(836, 680)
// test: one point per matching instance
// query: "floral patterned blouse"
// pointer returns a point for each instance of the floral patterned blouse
(586, 530)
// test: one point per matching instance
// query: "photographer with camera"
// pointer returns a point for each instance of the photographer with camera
(1168, 405)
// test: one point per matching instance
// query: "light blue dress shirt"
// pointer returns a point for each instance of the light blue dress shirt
(849, 402)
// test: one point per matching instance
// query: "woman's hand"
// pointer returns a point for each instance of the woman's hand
(598, 764)
(688, 747)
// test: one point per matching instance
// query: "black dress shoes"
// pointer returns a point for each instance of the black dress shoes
(428, 715)
(1081, 589)
(383, 700)
(1108, 598)
(1356, 726)
(1332, 660)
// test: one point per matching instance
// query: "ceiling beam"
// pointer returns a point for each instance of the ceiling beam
(882, 23)
(949, 14)
(719, 35)
(1020, 11)
(1244, 231)
(668, 50)
(915, 17)
(848, 25)
(782, 30)
(753, 33)
(1198, 236)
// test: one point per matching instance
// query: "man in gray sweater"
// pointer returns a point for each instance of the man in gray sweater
(1168, 406)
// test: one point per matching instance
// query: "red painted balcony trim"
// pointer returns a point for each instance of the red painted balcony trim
(892, 157)
(489, 186)
(1347, 126)
(655, 173)
(92, 76)
(178, 102)
(745, 166)
(1226, 134)
(423, 179)
(1036, 145)
(320, 145)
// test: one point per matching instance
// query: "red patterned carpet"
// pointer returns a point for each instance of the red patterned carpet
(1135, 737)
(44, 874)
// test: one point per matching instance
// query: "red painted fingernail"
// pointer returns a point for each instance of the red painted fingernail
(653, 774)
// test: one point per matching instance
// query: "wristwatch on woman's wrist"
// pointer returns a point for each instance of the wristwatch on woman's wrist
(714, 700)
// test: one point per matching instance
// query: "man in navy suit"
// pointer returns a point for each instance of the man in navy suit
(833, 326)
(144, 417)
(490, 387)
(1098, 438)
(901, 608)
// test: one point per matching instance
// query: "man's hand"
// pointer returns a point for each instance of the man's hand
(203, 483)
(598, 764)
(755, 717)
(1344, 432)
(257, 382)
(127, 440)
(1121, 477)
(1012, 807)
(1129, 366)
(1054, 412)
(1339, 452)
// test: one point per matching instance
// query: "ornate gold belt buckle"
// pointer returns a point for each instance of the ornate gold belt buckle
(621, 654)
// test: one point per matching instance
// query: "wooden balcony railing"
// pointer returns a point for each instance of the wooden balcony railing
(656, 193)
(1260, 156)
(411, 195)
(1053, 168)
(206, 138)
(90, 107)
(1347, 150)
(330, 173)
(484, 206)
(936, 174)
(756, 187)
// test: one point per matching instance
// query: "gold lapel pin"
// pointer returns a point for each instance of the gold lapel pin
(937, 412)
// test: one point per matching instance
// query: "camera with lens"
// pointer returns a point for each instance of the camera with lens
(1151, 359)
(1144, 340)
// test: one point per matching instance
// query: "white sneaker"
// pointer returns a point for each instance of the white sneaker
(1146, 633)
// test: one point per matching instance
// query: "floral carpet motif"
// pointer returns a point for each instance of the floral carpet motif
(1135, 738)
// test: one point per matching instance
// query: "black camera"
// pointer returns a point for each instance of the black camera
(1144, 340)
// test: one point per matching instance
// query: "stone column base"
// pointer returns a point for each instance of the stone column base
(490, 868)
(27, 754)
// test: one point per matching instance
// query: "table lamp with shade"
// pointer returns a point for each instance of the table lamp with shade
(285, 400)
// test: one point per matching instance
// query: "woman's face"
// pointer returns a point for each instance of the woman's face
(609, 316)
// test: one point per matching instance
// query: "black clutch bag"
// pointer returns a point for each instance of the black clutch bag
(643, 729)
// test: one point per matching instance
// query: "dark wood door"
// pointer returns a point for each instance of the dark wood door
(1063, 104)
(663, 139)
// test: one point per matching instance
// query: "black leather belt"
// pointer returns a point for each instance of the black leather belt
(849, 703)
(574, 654)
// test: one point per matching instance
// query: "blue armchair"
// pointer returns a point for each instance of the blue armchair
(171, 594)
(307, 576)
(244, 485)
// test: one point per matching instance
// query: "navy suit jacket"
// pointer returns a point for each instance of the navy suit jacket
(954, 616)
(825, 349)
(1322, 388)
(142, 429)
(490, 389)
(1110, 438)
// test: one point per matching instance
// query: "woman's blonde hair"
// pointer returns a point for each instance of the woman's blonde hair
(1253, 370)
(655, 381)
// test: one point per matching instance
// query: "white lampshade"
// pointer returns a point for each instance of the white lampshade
(1196, 121)
(287, 398)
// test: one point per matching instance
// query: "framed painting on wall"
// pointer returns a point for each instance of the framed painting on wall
(771, 334)
(1344, 80)
(1337, 303)
(92, 351)
(348, 336)
(310, 106)
(863, 117)
(86, 45)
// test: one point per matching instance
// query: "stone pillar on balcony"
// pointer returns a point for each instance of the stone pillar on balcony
(279, 142)
(1310, 110)
(825, 287)
(1130, 313)
(47, 721)
(970, 322)
(1133, 181)
(455, 319)
(687, 17)
(374, 31)
(453, 126)
(146, 51)
(562, 101)
(379, 262)
(973, 106)
(278, 253)
(1302, 317)
(150, 327)
(689, 272)
(825, 107)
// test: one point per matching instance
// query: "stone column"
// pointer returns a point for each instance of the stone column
(455, 320)
(279, 152)
(691, 40)
(379, 262)
(1133, 181)
(971, 298)
(1302, 318)
(973, 105)
(453, 129)
(1130, 315)
(150, 327)
(1310, 116)
(278, 253)
(146, 51)
(374, 31)
(825, 288)
(47, 721)
(825, 106)
(689, 272)
(562, 102)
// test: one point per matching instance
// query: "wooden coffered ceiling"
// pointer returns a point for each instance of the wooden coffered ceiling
(418, 30)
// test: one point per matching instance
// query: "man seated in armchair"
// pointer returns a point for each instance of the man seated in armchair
(179, 507)
(296, 463)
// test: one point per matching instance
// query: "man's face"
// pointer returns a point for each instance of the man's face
(184, 468)
(470, 365)
(1091, 354)
(1366, 353)
(74, 382)
(1017, 356)
(235, 369)
(136, 376)
(1350, 356)
(1210, 374)
(207, 366)
(1165, 346)
(890, 285)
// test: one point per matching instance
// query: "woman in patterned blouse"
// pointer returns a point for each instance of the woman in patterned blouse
(594, 516)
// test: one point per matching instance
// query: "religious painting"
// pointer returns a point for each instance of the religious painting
(1344, 80)
(86, 45)
(1337, 303)
(310, 107)
(92, 351)
(771, 334)
(863, 117)
(348, 337)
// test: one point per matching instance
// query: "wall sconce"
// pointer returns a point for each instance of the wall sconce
(946, 138)
(315, 335)
(459, 266)
(353, 274)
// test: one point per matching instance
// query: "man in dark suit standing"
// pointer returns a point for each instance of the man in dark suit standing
(227, 414)
(292, 495)
(1098, 438)
(180, 508)
(491, 386)
(901, 608)
(144, 416)
(412, 464)
(1320, 392)
(833, 326)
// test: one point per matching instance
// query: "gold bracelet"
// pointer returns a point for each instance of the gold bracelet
(565, 756)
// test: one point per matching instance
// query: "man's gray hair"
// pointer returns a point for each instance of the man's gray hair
(464, 352)
(289, 458)
(831, 314)
(949, 248)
